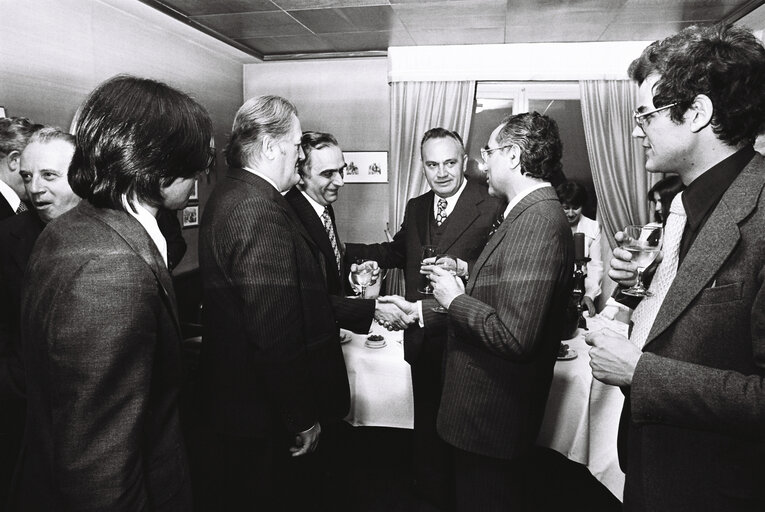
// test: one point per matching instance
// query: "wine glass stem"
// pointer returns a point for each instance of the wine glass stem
(639, 283)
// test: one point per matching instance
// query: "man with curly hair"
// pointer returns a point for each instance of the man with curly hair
(692, 435)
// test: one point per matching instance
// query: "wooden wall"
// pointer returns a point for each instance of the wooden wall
(348, 98)
(54, 52)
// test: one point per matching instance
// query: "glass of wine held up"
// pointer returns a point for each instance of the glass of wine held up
(449, 263)
(429, 253)
(644, 244)
(362, 276)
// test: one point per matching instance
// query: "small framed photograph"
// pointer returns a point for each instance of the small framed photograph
(2, 111)
(194, 192)
(191, 216)
(366, 166)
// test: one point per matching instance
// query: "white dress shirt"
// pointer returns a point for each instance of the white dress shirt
(451, 202)
(149, 223)
(10, 195)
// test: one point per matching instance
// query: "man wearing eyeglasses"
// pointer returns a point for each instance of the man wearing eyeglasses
(692, 430)
(456, 215)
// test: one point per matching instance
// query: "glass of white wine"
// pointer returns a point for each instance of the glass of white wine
(363, 276)
(448, 262)
(644, 244)
(429, 252)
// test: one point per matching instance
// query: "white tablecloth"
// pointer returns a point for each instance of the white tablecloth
(581, 418)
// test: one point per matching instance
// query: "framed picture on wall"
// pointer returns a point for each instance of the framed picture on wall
(194, 197)
(190, 216)
(366, 166)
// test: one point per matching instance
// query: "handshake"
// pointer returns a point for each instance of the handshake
(392, 312)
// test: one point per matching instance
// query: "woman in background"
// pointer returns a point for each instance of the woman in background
(573, 197)
(661, 195)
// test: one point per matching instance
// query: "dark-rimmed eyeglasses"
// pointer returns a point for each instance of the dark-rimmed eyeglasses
(486, 151)
(642, 117)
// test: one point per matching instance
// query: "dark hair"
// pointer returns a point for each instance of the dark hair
(441, 133)
(134, 136)
(311, 141)
(725, 63)
(667, 188)
(15, 133)
(48, 134)
(537, 136)
(258, 117)
(572, 194)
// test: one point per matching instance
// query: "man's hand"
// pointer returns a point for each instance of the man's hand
(445, 286)
(355, 267)
(590, 305)
(306, 442)
(622, 270)
(612, 357)
(391, 316)
(410, 308)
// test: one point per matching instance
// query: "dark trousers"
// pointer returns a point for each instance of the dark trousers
(433, 460)
(488, 484)
(12, 416)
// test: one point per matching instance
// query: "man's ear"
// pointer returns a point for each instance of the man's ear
(701, 111)
(270, 147)
(464, 163)
(14, 159)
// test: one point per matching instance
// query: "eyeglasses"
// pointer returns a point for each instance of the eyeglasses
(486, 151)
(642, 117)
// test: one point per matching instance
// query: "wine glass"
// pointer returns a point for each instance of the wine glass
(643, 243)
(449, 263)
(363, 276)
(429, 253)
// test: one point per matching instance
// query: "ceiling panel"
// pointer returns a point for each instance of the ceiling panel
(277, 28)
(253, 24)
(197, 7)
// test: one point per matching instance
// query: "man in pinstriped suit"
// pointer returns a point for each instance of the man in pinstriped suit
(504, 327)
(272, 369)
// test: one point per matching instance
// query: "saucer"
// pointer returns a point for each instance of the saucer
(570, 354)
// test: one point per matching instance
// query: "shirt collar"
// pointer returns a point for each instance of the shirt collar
(703, 194)
(269, 180)
(451, 201)
(517, 199)
(319, 209)
(10, 195)
(149, 223)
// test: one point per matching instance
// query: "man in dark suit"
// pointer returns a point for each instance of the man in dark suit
(692, 435)
(321, 177)
(456, 215)
(504, 327)
(44, 164)
(14, 134)
(272, 369)
(99, 328)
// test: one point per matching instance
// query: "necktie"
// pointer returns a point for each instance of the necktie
(327, 220)
(645, 313)
(22, 208)
(441, 213)
(495, 225)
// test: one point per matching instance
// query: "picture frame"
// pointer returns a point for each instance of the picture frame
(2, 111)
(194, 197)
(366, 166)
(190, 217)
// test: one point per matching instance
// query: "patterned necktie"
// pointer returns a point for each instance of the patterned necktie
(22, 208)
(495, 225)
(441, 213)
(645, 313)
(331, 234)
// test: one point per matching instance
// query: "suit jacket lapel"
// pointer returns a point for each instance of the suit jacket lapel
(714, 243)
(462, 217)
(313, 223)
(26, 236)
(535, 196)
(133, 233)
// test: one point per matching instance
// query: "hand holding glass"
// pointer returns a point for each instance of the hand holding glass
(429, 253)
(643, 243)
(362, 275)
(448, 262)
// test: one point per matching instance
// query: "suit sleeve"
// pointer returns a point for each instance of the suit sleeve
(521, 278)
(263, 270)
(101, 345)
(387, 254)
(353, 314)
(693, 396)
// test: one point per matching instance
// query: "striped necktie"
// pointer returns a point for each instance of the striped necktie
(22, 208)
(327, 220)
(495, 225)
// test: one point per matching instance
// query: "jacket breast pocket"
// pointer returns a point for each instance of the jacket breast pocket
(720, 294)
